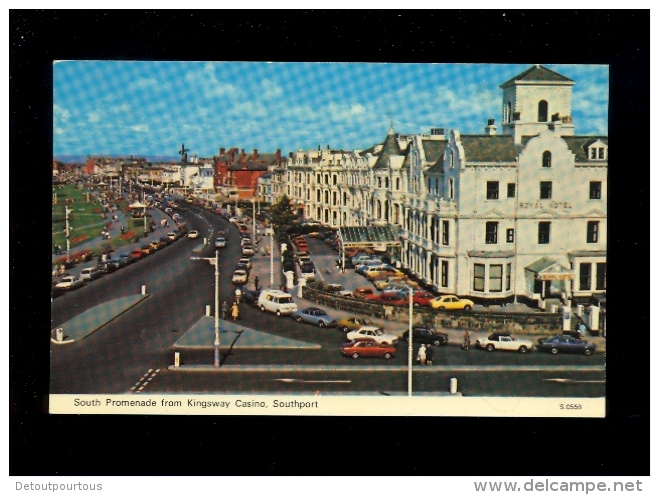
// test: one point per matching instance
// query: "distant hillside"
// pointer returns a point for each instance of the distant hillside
(83, 158)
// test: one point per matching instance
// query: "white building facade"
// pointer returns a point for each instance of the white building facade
(518, 214)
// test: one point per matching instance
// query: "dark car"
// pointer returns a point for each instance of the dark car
(425, 335)
(566, 344)
(242, 266)
(165, 241)
(251, 297)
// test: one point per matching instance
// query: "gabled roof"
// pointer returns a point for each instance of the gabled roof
(433, 149)
(481, 148)
(390, 147)
(537, 73)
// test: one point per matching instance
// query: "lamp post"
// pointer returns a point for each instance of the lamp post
(216, 342)
(410, 347)
(253, 221)
(68, 236)
(272, 259)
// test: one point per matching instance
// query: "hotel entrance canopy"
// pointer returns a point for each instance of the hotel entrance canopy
(377, 238)
(548, 269)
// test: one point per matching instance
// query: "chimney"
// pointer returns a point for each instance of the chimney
(242, 155)
(490, 129)
(222, 150)
(278, 155)
(255, 156)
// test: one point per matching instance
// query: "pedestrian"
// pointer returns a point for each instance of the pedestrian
(582, 329)
(421, 356)
(123, 230)
(429, 353)
(237, 293)
(256, 283)
(467, 340)
(235, 311)
(225, 310)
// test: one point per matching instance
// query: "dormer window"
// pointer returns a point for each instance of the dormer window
(546, 159)
(597, 151)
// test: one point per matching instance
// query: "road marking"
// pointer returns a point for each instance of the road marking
(144, 380)
(295, 380)
(569, 380)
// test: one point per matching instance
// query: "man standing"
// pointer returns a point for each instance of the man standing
(429, 353)
(256, 283)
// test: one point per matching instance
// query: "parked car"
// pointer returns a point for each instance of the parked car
(239, 277)
(501, 341)
(363, 292)
(381, 283)
(246, 261)
(165, 241)
(137, 254)
(277, 302)
(367, 348)
(315, 316)
(388, 298)
(422, 298)
(172, 236)
(425, 335)
(247, 250)
(308, 271)
(245, 240)
(565, 344)
(251, 297)
(156, 245)
(126, 258)
(361, 267)
(350, 323)
(193, 234)
(220, 242)
(69, 282)
(375, 333)
(385, 270)
(90, 273)
(451, 302)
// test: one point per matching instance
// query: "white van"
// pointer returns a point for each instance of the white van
(277, 302)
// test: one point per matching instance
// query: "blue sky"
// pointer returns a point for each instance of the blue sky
(150, 108)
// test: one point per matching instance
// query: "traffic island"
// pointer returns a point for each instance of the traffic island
(93, 319)
(232, 335)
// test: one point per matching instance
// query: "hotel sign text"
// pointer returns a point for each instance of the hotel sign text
(551, 204)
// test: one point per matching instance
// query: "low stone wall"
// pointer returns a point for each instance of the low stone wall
(518, 323)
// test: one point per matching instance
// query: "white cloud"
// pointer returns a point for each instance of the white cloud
(58, 130)
(94, 117)
(61, 113)
(139, 128)
(208, 83)
(271, 89)
(143, 83)
(120, 109)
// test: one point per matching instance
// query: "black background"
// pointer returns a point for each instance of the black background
(41, 444)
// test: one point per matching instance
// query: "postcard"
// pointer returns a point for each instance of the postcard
(329, 239)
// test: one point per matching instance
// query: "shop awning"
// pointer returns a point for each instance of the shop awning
(549, 269)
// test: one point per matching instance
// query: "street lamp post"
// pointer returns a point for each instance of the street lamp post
(410, 347)
(216, 342)
(253, 221)
(272, 259)
(68, 236)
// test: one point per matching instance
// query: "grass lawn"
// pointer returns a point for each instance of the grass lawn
(85, 219)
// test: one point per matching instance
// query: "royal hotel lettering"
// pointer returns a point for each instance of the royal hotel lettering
(551, 204)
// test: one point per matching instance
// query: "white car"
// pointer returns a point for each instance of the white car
(70, 282)
(220, 242)
(193, 234)
(247, 250)
(504, 342)
(277, 302)
(374, 332)
(239, 277)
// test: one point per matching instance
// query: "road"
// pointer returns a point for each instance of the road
(115, 358)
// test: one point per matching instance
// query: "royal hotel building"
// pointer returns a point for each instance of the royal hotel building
(519, 214)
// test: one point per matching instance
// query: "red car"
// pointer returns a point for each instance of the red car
(391, 299)
(422, 299)
(367, 348)
(137, 254)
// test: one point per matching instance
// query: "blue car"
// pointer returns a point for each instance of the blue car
(566, 344)
(315, 316)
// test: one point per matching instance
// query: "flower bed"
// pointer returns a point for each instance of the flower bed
(127, 235)
(78, 239)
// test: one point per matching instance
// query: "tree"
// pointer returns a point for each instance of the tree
(282, 215)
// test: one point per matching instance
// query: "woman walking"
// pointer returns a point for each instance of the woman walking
(235, 312)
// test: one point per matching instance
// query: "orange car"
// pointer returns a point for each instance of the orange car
(367, 347)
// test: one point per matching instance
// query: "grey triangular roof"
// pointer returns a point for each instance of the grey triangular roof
(537, 73)
(390, 147)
